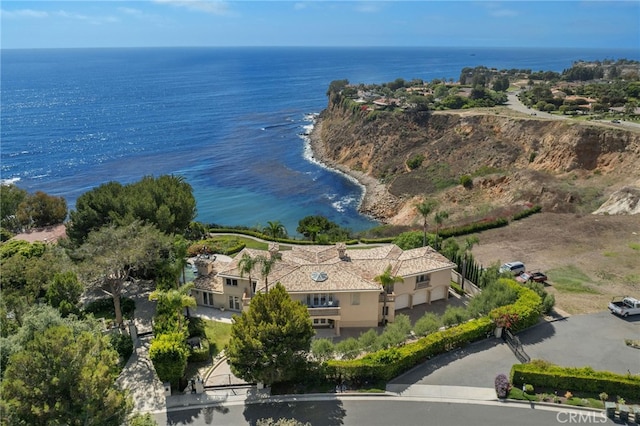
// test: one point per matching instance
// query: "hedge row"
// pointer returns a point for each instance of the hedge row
(586, 379)
(450, 232)
(472, 228)
(270, 238)
(526, 213)
(386, 364)
(200, 354)
(527, 308)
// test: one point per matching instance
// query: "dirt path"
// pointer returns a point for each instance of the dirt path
(606, 249)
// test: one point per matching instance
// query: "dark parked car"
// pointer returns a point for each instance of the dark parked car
(538, 277)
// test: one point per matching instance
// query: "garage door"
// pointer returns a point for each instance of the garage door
(402, 301)
(420, 297)
(438, 293)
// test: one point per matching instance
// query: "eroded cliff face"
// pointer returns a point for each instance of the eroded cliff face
(564, 165)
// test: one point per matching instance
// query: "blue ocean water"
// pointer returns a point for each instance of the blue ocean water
(230, 120)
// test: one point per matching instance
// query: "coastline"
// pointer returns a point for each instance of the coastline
(376, 199)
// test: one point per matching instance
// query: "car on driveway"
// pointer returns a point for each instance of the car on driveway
(537, 277)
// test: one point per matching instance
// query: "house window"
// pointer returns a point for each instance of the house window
(208, 298)
(355, 298)
(319, 299)
(230, 281)
(234, 303)
(385, 311)
(423, 281)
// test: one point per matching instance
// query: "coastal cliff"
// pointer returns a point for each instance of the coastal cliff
(506, 159)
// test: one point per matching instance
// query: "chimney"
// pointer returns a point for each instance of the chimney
(274, 249)
(342, 250)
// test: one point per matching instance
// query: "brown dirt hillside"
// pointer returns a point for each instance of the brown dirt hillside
(569, 167)
(563, 165)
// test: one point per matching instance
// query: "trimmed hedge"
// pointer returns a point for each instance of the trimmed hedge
(270, 238)
(377, 240)
(526, 213)
(200, 354)
(472, 228)
(386, 364)
(527, 308)
(586, 379)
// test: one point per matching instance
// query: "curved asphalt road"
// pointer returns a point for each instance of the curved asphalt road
(596, 340)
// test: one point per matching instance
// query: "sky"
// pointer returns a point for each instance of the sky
(164, 23)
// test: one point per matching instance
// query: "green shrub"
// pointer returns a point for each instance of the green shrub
(123, 344)
(322, 349)
(466, 181)
(103, 307)
(526, 213)
(415, 161)
(201, 354)
(473, 228)
(454, 315)
(586, 379)
(169, 353)
(427, 324)
(494, 294)
(196, 327)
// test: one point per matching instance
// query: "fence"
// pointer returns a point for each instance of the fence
(469, 287)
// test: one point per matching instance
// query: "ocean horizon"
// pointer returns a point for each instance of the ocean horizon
(232, 121)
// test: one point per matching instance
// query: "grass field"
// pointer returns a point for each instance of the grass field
(570, 279)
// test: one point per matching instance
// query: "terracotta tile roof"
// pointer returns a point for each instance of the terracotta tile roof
(355, 271)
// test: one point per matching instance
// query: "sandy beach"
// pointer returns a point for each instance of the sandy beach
(376, 201)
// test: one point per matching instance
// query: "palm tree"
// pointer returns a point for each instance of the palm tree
(425, 208)
(174, 301)
(438, 218)
(266, 263)
(386, 280)
(246, 265)
(275, 229)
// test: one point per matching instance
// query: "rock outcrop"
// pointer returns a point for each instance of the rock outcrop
(564, 165)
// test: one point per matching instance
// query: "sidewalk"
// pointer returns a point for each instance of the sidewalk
(140, 379)
(467, 393)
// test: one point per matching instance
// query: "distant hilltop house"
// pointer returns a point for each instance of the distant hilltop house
(337, 285)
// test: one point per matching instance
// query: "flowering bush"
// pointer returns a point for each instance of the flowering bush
(502, 385)
(504, 318)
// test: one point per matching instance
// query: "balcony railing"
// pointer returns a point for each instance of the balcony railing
(323, 311)
(390, 298)
(423, 284)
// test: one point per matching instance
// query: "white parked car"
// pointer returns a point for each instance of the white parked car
(516, 268)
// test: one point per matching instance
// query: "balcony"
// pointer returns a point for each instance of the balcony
(390, 298)
(423, 284)
(329, 309)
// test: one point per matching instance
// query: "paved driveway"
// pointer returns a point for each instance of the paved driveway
(595, 340)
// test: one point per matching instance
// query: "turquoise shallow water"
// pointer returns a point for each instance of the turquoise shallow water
(227, 119)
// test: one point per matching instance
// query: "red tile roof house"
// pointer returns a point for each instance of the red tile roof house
(337, 285)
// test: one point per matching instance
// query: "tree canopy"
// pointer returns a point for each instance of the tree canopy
(62, 374)
(166, 201)
(270, 341)
(112, 254)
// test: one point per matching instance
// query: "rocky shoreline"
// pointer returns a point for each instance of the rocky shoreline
(376, 202)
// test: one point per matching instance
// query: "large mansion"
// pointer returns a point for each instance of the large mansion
(336, 284)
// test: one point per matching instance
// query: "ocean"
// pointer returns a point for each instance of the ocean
(231, 121)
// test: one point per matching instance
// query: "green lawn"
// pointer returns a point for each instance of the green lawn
(232, 240)
(218, 335)
(570, 279)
